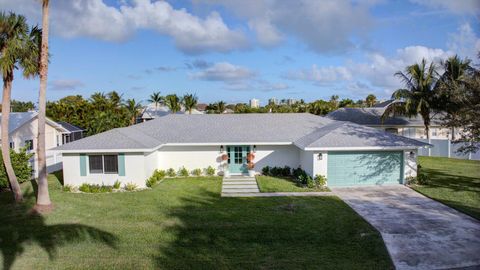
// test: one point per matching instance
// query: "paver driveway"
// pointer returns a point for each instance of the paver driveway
(419, 232)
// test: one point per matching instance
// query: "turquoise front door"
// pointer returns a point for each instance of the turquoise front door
(364, 168)
(237, 159)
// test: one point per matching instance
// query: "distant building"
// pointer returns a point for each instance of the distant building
(151, 112)
(273, 101)
(291, 101)
(202, 107)
(254, 103)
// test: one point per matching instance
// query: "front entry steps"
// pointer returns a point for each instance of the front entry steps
(239, 185)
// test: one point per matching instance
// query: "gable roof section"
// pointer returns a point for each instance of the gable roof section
(69, 127)
(373, 117)
(301, 129)
(18, 119)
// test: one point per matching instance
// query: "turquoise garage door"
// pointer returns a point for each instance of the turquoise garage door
(364, 168)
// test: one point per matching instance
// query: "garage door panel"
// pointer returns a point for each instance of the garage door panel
(364, 168)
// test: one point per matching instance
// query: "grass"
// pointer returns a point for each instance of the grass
(185, 224)
(277, 184)
(454, 182)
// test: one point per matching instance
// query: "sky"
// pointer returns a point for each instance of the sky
(235, 50)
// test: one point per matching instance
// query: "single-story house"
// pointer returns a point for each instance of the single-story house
(346, 153)
(411, 127)
(23, 128)
(151, 112)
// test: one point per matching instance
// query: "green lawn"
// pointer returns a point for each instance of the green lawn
(185, 224)
(453, 182)
(277, 184)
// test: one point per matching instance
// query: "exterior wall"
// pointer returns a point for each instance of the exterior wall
(419, 132)
(320, 166)
(306, 161)
(193, 157)
(135, 171)
(410, 164)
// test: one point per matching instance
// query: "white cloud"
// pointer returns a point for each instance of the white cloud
(465, 42)
(267, 34)
(455, 6)
(65, 84)
(225, 72)
(94, 18)
(321, 75)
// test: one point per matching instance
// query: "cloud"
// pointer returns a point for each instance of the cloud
(458, 6)
(320, 75)
(324, 26)
(94, 18)
(465, 42)
(225, 72)
(160, 69)
(198, 64)
(65, 84)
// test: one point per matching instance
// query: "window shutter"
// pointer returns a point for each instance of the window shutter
(83, 165)
(121, 164)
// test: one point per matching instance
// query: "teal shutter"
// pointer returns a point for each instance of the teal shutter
(83, 165)
(121, 164)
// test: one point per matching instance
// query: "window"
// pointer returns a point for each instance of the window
(103, 163)
(29, 144)
(95, 163)
(110, 163)
(12, 145)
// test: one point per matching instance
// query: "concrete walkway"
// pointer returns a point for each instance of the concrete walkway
(238, 185)
(419, 233)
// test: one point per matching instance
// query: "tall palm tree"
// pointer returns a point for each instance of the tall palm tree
(189, 101)
(419, 95)
(221, 106)
(114, 99)
(334, 100)
(156, 98)
(173, 102)
(451, 87)
(99, 101)
(43, 196)
(133, 108)
(371, 100)
(19, 46)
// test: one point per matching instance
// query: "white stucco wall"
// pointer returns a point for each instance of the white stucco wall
(135, 171)
(410, 163)
(320, 166)
(277, 155)
(306, 161)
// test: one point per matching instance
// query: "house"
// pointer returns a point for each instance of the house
(23, 128)
(409, 127)
(151, 112)
(347, 153)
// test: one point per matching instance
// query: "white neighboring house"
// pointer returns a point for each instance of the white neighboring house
(23, 128)
(151, 112)
(348, 154)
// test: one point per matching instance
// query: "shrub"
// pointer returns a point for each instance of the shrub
(210, 171)
(84, 187)
(159, 174)
(130, 186)
(151, 181)
(197, 172)
(183, 172)
(92, 188)
(117, 185)
(286, 171)
(266, 170)
(310, 182)
(68, 188)
(171, 172)
(421, 179)
(320, 180)
(21, 166)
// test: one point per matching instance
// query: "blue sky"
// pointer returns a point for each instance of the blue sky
(240, 49)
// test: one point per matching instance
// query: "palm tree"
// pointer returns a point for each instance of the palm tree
(99, 101)
(133, 108)
(173, 102)
(19, 46)
(156, 98)
(43, 196)
(221, 106)
(334, 100)
(451, 87)
(190, 102)
(418, 97)
(114, 99)
(371, 100)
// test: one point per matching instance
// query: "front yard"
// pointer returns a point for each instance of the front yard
(283, 184)
(185, 224)
(454, 182)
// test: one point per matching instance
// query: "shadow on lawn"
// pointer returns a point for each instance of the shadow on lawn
(454, 182)
(21, 227)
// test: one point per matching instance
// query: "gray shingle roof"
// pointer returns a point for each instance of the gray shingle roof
(302, 129)
(18, 119)
(69, 126)
(373, 117)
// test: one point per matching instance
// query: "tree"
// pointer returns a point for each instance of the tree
(19, 47)
(156, 98)
(189, 102)
(320, 107)
(173, 102)
(20, 106)
(221, 106)
(346, 102)
(133, 108)
(43, 196)
(371, 100)
(451, 87)
(418, 97)
(334, 100)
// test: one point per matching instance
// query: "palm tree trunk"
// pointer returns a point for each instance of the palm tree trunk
(43, 196)
(12, 178)
(453, 133)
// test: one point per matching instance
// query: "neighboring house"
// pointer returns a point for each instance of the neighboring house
(405, 126)
(348, 154)
(201, 107)
(151, 112)
(23, 128)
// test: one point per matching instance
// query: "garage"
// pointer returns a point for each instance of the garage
(365, 168)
